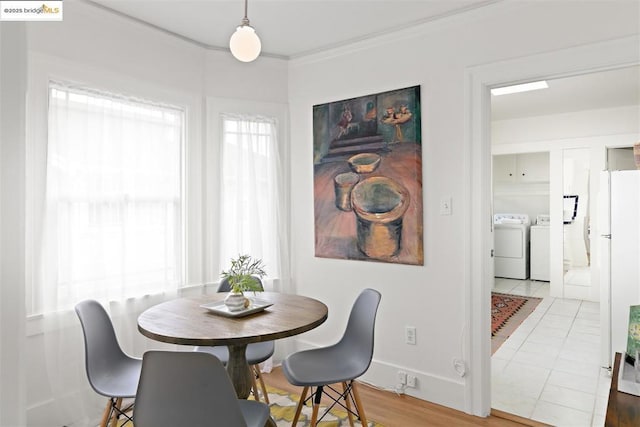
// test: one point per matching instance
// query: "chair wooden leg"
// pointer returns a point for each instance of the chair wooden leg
(316, 406)
(347, 402)
(105, 415)
(360, 408)
(303, 396)
(262, 386)
(254, 387)
(116, 414)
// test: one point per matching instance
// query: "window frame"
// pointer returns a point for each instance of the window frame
(148, 108)
(215, 108)
(44, 68)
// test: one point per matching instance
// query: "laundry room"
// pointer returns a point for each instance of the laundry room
(521, 207)
(546, 165)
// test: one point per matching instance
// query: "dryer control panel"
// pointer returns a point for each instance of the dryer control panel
(543, 220)
(508, 218)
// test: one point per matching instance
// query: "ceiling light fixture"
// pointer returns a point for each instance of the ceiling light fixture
(245, 44)
(519, 88)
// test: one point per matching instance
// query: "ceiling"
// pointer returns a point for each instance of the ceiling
(287, 28)
(605, 89)
(295, 28)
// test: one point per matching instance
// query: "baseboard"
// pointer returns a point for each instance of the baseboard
(442, 391)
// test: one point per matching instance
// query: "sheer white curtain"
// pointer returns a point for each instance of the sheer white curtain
(112, 220)
(107, 225)
(251, 206)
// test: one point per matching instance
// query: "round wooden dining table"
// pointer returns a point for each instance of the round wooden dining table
(183, 321)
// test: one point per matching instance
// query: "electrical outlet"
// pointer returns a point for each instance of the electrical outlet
(411, 381)
(410, 335)
(402, 377)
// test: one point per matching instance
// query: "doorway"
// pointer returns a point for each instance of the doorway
(549, 369)
(479, 241)
(576, 219)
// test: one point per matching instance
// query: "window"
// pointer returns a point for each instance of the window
(113, 215)
(249, 191)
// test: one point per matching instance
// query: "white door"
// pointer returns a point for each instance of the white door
(604, 239)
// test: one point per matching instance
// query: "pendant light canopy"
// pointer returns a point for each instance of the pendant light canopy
(245, 44)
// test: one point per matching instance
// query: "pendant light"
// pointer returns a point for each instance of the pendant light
(245, 44)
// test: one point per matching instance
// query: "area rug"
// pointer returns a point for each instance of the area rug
(503, 306)
(283, 408)
(507, 313)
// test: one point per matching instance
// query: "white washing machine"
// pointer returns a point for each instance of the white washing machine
(511, 245)
(540, 247)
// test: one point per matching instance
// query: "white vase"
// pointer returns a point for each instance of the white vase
(235, 301)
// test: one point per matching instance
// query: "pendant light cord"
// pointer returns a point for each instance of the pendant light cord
(245, 44)
(245, 20)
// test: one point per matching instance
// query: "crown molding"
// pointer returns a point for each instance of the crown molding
(171, 33)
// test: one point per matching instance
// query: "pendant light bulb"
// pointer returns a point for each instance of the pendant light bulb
(245, 45)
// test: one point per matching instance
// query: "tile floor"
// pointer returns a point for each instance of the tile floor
(549, 369)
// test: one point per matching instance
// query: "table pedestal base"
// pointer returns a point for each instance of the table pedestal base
(239, 371)
(240, 374)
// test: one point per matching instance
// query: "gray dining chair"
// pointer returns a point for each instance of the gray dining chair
(340, 363)
(256, 353)
(111, 372)
(191, 389)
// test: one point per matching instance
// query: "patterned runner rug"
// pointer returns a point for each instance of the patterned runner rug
(507, 313)
(505, 306)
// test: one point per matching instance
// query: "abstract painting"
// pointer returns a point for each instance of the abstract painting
(633, 337)
(367, 157)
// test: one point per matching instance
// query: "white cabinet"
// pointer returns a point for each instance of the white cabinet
(533, 167)
(504, 168)
(516, 168)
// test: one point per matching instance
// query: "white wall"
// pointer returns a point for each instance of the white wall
(530, 201)
(13, 86)
(100, 49)
(578, 124)
(434, 56)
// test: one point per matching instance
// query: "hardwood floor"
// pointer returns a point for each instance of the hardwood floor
(392, 410)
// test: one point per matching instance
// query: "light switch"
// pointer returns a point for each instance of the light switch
(445, 206)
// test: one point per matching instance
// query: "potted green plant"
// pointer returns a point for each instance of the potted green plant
(242, 278)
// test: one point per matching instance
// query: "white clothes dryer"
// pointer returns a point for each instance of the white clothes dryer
(511, 245)
(540, 247)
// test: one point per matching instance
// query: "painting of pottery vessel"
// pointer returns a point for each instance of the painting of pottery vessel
(367, 159)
